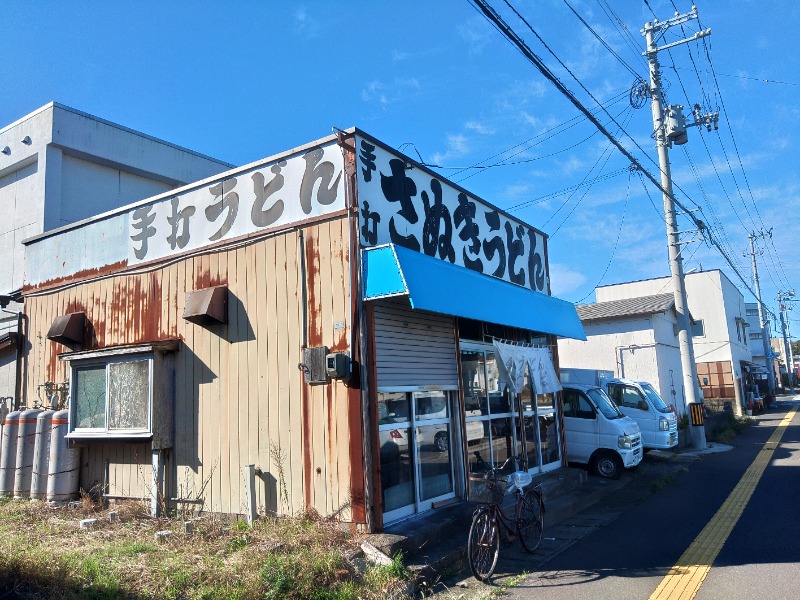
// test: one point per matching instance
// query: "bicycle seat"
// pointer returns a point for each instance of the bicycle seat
(518, 480)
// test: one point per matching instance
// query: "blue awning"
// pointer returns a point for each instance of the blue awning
(438, 286)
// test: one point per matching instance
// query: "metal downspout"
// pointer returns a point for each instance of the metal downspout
(20, 351)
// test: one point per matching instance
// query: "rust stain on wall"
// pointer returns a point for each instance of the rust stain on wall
(331, 453)
(78, 276)
(153, 328)
(312, 285)
(354, 422)
(138, 302)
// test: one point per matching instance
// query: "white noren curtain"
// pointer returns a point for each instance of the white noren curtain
(511, 365)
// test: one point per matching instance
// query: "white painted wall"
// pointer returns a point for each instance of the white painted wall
(89, 189)
(21, 218)
(8, 364)
(637, 348)
(63, 166)
(756, 346)
(710, 296)
(669, 378)
(8, 324)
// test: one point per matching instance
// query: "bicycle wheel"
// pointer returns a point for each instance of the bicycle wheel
(483, 545)
(530, 521)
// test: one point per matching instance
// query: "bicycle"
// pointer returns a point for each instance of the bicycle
(483, 543)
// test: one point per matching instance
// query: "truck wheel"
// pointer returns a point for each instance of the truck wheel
(441, 442)
(608, 465)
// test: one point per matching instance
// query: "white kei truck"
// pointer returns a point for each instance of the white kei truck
(637, 400)
(597, 433)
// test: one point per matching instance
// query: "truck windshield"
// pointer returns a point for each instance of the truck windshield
(654, 398)
(604, 404)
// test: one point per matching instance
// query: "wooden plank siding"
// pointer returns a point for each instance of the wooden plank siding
(239, 394)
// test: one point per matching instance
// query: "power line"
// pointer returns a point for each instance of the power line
(609, 152)
(625, 33)
(499, 24)
(505, 162)
(745, 77)
(545, 135)
(736, 148)
(616, 241)
(558, 83)
(605, 45)
(507, 32)
(567, 190)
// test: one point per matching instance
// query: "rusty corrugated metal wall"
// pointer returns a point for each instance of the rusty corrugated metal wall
(240, 397)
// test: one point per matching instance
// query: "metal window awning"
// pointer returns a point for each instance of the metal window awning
(438, 286)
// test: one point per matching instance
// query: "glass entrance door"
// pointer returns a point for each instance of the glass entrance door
(489, 404)
(542, 445)
(416, 440)
(512, 423)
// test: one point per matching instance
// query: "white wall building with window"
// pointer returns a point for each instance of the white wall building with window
(719, 329)
(632, 337)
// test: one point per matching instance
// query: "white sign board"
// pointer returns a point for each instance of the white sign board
(412, 208)
(270, 196)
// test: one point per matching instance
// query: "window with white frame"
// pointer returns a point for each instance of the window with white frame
(122, 393)
(113, 397)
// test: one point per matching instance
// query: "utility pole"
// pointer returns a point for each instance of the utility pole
(762, 312)
(787, 343)
(671, 128)
(791, 356)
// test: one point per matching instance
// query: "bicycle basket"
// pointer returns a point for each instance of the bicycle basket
(487, 490)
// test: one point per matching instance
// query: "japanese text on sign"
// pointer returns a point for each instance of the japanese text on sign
(287, 191)
(416, 210)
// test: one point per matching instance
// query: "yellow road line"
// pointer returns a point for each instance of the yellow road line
(685, 578)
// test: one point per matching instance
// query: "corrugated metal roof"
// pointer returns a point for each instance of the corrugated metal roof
(629, 307)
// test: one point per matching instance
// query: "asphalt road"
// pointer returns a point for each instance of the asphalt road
(623, 547)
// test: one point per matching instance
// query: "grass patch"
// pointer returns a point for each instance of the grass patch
(728, 428)
(44, 552)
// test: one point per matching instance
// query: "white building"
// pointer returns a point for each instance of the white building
(755, 339)
(719, 336)
(634, 338)
(60, 166)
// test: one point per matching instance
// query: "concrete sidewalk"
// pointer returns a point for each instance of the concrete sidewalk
(434, 544)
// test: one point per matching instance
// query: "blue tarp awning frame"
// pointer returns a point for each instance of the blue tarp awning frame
(440, 287)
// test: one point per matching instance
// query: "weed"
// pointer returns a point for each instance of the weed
(387, 576)
(241, 526)
(132, 548)
(238, 542)
(295, 557)
(278, 456)
(728, 428)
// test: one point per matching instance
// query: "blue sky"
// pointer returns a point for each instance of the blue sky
(243, 80)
